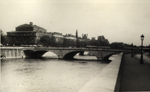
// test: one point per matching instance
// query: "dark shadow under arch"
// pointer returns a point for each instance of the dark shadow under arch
(34, 54)
(106, 58)
(71, 55)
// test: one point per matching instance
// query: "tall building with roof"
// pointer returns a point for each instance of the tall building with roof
(26, 34)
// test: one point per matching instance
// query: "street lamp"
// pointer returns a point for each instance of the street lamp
(142, 38)
(132, 50)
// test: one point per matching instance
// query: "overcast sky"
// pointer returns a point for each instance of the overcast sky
(118, 20)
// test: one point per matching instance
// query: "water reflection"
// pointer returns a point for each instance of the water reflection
(47, 75)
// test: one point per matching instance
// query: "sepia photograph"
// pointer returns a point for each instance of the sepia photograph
(75, 45)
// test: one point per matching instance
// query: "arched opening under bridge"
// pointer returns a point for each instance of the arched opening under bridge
(49, 54)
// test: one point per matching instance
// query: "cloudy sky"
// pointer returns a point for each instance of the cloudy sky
(118, 20)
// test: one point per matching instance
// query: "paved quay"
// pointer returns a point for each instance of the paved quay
(134, 77)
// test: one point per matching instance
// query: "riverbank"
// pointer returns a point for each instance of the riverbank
(106, 80)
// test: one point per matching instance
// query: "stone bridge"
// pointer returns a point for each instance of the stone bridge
(69, 53)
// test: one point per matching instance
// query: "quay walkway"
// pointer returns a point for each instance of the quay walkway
(134, 77)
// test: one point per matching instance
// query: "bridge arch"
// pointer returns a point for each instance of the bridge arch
(102, 55)
(71, 54)
(34, 54)
(106, 58)
(60, 53)
(50, 54)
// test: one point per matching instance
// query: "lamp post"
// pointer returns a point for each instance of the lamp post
(132, 50)
(142, 38)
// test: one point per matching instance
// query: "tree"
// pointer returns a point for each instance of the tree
(116, 45)
(46, 41)
(4, 39)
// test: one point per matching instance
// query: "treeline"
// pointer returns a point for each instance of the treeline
(4, 39)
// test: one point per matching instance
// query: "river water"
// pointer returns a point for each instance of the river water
(48, 75)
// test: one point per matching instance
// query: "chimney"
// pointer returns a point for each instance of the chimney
(31, 23)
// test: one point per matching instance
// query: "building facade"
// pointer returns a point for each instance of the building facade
(26, 34)
(58, 39)
(70, 40)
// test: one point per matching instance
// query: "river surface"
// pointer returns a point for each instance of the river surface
(48, 75)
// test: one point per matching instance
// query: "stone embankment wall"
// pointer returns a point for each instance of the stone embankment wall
(12, 52)
(106, 80)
